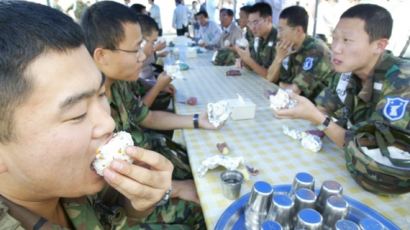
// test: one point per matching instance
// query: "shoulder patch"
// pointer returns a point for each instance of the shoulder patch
(308, 64)
(395, 108)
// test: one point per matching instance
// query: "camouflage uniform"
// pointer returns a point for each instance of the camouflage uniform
(128, 111)
(265, 52)
(85, 213)
(385, 97)
(309, 68)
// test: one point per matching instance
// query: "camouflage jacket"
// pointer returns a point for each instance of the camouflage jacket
(128, 111)
(385, 96)
(309, 68)
(86, 213)
(79, 212)
(263, 50)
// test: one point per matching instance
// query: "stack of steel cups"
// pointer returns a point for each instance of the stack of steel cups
(258, 205)
(281, 210)
(329, 188)
(302, 180)
(309, 219)
(304, 198)
(336, 208)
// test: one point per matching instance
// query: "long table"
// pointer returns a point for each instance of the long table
(262, 144)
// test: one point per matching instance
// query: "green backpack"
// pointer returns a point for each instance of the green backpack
(378, 157)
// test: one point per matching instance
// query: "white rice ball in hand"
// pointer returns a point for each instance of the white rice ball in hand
(281, 100)
(227, 43)
(115, 149)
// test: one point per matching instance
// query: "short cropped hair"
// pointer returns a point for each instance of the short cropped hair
(246, 8)
(204, 13)
(295, 16)
(103, 24)
(28, 30)
(138, 8)
(148, 24)
(229, 12)
(263, 8)
(378, 21)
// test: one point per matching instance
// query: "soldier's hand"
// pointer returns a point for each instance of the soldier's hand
(143, 182)
(244, 54)
(204, 122)
(304, 109)
(283, 49)
(185, 190)
(163, 80)
(170, 89)
(160, 46)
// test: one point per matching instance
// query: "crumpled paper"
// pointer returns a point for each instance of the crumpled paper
(218, 112)
(281, 100)
(212, 162)
(242, 42)
(307, 140)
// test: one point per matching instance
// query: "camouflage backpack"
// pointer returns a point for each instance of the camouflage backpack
(378, 157)
(225, 57)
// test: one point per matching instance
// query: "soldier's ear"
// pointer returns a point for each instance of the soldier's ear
(381, 45)
(101, 56)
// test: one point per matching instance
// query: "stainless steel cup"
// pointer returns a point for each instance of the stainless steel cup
(329, 188)
(304, 198)
(370, 224)
(231, 181)
(258, 205)
(271, 225)
(309, 219)
(336, 208)
(281, 210)
(302, 180)
(346, 225)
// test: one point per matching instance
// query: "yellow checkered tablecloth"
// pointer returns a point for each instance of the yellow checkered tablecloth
(263, 145)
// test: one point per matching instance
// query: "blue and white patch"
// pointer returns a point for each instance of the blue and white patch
(308, 64)
(395, 108)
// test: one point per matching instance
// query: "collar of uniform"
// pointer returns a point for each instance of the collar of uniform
(271, 37)
(27, 218)
(305, 44)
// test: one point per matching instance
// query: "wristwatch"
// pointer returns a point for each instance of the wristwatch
(165, 198)
(195, 119)
(324, 124)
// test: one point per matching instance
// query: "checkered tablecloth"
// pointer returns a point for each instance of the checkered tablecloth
(262, 144)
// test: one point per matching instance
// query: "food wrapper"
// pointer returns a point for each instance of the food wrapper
(281, 100)
(218, 112)
(173, 71)
(212, 162)
(242, 42)
(307, 140)
(113, 150)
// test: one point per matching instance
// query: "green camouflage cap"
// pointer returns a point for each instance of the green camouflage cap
(381, 171)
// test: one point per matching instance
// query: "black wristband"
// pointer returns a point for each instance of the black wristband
(195, 119)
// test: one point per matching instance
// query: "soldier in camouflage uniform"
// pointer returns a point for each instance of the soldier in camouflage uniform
(261, 50)
(156, 89)
(127, 108)
(378, 87)
(302, 63)
(54, 116)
